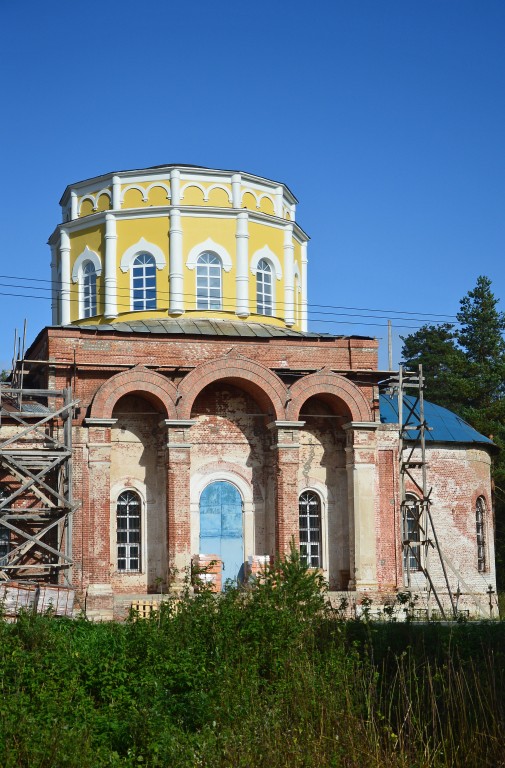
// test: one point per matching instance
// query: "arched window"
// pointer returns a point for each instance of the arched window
(411, 534)
(144, 282)
(480, 528)
(264, 288)
(128, 531)
(309, 508)
(88, 289)
(208, 281)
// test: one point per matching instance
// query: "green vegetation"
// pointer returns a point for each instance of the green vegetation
(464, 368)
(267, 676)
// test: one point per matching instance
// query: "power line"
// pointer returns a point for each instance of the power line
(159, 292)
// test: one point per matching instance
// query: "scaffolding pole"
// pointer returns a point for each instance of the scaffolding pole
(36, 504)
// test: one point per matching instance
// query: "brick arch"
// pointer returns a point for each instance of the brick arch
(329, 384)
(255, 379)
(161, 392)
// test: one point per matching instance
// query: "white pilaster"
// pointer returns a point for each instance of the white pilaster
(54, 285)
(289, 277)
(304, 287)
(236, 183)
(73, 205)
(65, 277)
(110, 309)
(279, 194)
(175, 262)
(116, 193)
(175, 187)
(242, 235)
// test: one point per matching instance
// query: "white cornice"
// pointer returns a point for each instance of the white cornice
(98, 218)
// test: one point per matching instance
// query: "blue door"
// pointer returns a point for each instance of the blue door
(221, 527)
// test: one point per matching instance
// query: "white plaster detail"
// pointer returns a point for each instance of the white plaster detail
(242, 280)
(110, 281)
(236, 181)
(304, 318)
(269, 255)
(176, 277)
(65, 277)
(116, 192)
(253, 193)
(137, 187)
(92, 200)
(86, 255)
(218, 186)
(74, 205)
(209, 245)
(194, 184)
(142, 246)
(175, 186)
(268, 197)
(158, 184)
(289, 282)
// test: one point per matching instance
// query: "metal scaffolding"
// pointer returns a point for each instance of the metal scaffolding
(419, 535)
(36, 505)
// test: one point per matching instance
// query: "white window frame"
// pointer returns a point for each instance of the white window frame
(205, 272)
(129, 545)
(88, 293)
(137, 268)
(311, 540)
(265, 305)
(86, 257)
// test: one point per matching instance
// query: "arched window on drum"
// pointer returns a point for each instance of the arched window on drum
(209, 291)
(264, 289)
(309, 510)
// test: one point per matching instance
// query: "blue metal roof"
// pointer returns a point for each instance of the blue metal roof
(444, 425)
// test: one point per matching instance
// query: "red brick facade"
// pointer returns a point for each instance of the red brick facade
(165, 415)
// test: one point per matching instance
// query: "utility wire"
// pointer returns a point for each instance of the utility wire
(159, 292)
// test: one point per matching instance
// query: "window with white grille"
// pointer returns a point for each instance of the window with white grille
(208, 281)
(144, 282)
(88, 289)
(128, 516)
(264, 289)
(309, 509)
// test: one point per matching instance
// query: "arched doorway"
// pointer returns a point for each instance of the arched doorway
(221, 529)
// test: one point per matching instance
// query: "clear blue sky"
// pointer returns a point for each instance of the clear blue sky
(386, 118)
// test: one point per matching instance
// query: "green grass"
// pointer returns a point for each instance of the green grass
(266, 677)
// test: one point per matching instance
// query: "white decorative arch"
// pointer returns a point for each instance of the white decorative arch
(218, 186)
(86, 255)
(134, 186)
(251, 192)
(158, 184)
(265, 194)
(194, 184)
(142, 246)
(91, 199)
(269, 255)
(100, 193)
(209, 245)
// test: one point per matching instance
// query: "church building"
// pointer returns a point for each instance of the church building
(212, 422)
